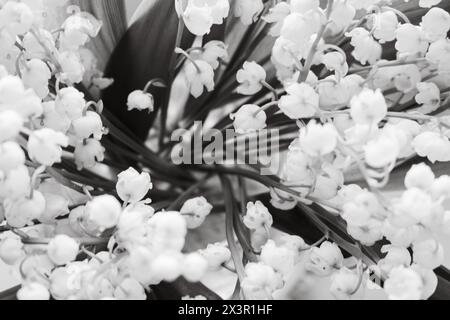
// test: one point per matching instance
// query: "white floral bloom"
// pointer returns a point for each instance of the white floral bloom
(367, 50)
(70, 102)
(385, 26)
(56, 202)
(248, 10)
(72, 67)
(395, 256)
(16, 184)
(318, 140)
(214, 52)
(62, 250)
(11, 156)
(436, 23)
(368, 107)
(140, 100)
(412, 208)
(77, 30)
(216, 255)
(11, 250)
(90, 125)
(195, 211)
(103, 212)
(428, 3)
(324, 259)
(132, 187)
(88, 153)
(257, 216)
(16, 17)
(432, 145)
(299, 28)
(200, 15)
(199, 76)
(429, 279)
(333, 92)
(22, 212)
(384, 149)
(198, 19)
(53, 119)
(44, 146)
(280, 258)
(303, 6)
(260, 282)
(36, 76)
(342, 16)
(130, 289)
(404, 284)
(301, 101)
(168, 231)
(249, 118)
(194, 267)
(33, 291)
(335, 61)
(429, 96)
(14, 96)
(441, 187)
(420, 176)
(276, 16)
(439, 53)
(165, 267)
(428, 253)
(410, 39)
(250, 78)
(344, 284)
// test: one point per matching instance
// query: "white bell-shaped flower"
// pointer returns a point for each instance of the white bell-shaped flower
(214, 52)
(428, 253)
(90, 125)
(16, 184)
(88, 153)
(318, 140)
(410, 39)
(429, 96)
(436, 23)
(216, 255)
(16, 17)
(133, 186)
(36, 76)
(103, 212)
(385, 26)
(70, 102)
(250, 78)
(22, 212)
(11, 250)
(62, 250)
(140, 100)
(11, 156)
(302, 101)
(249, 118)
(195, 211)
(33, 292)
(248, 10)
(14, 96)
(257, 216)
(194, 267)
(368, 107)
(433, 145)
(403, 283)
(10, 125)
(72, 67)
(44, 146)
(199, 75)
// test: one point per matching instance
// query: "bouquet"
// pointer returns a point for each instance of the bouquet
(304, 142)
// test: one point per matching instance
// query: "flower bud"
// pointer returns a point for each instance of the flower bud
(11, 156)
(10, 125)
(11, 250)
(258, 216)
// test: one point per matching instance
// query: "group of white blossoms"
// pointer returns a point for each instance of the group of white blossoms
(357, 122)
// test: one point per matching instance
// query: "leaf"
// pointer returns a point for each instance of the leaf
(181, 288)
(143, 54)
